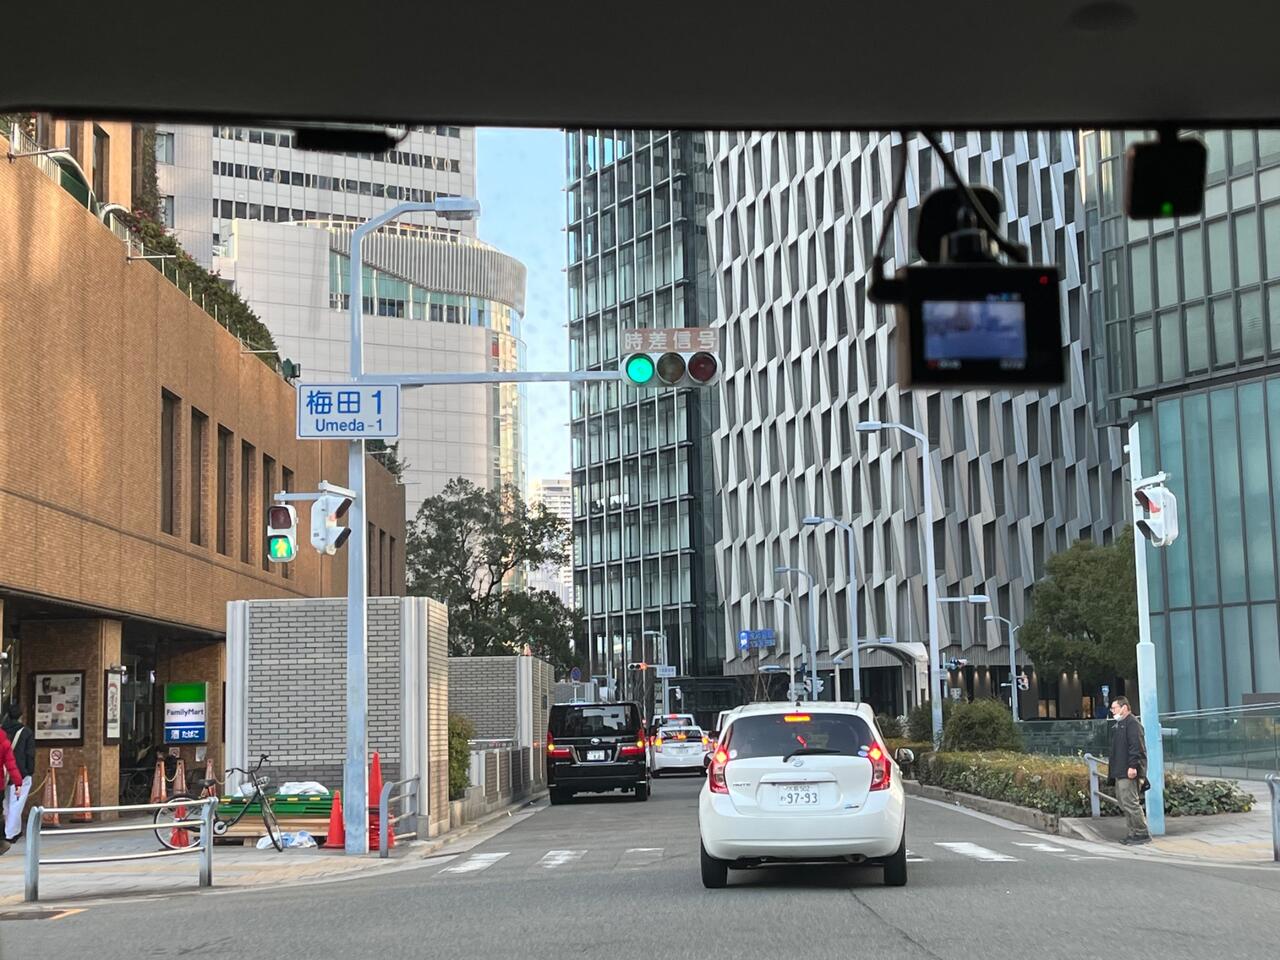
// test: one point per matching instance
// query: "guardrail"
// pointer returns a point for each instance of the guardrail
(1095, 808)
(1274, 783)
(386, 822)
(31, 871)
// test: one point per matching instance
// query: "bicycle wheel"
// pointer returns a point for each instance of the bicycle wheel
(177, 810)
(272, 825)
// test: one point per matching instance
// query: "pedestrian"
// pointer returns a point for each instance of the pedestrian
(9, 766)
(23, 744)
(1127, 769)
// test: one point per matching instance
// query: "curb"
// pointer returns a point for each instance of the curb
(422, 849)
(1046, 822)
(1075, 827)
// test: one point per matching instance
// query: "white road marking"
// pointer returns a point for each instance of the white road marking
(641, 856)
(475, 863)
(913, 857)
(977, 852)
(558, 858)
(1042, 847)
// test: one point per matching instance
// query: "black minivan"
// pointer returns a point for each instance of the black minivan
(593, 747)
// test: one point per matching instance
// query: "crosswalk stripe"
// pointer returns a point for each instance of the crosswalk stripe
(1041, 847)
(558, 858)
(475, 863)
(977, 852)
(641, 856)
(913, 857)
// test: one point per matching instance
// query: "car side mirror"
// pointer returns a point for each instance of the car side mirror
(905, 756)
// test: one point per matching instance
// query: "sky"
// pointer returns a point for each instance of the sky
(520, 180)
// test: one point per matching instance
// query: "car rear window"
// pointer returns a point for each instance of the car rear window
(675, 733)
(599, 720)
(778, 734)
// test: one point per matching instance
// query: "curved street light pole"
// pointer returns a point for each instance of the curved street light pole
(813, 631)
(1013, 662)
(856, 663)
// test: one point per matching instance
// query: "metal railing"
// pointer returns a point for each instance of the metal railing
(386, 821)
(1095, 795)
(31, 871)
(1273, 782)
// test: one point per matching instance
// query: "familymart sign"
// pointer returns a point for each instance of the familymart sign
(185, 710)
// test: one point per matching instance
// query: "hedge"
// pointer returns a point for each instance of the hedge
(460, 733)
(1060, 785)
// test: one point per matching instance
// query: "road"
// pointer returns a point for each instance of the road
(613, 878)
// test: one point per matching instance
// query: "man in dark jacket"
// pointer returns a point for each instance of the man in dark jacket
(1127, 768)
(23, 745)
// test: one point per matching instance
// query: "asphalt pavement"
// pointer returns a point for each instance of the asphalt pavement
(612, 877)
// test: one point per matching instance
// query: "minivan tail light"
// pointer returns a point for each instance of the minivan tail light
(633, 749)
(557, 753)
(880, 769)
(715, 772)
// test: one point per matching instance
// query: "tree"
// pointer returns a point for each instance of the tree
(388, 455)
(1084, 613)
(463, 545)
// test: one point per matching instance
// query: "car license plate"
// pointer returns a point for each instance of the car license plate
(797, 795)
(595, 754)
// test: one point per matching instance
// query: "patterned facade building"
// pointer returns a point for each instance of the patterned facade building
(1018, 476)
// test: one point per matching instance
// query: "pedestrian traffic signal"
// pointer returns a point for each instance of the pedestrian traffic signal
(282, 533)
(691, 368)
(1160, 525)
(326, 535)
(1024, 682)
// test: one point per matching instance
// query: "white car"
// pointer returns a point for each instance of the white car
(678, 749)
(805, 782)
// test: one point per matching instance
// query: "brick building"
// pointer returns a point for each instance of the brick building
(139, 448)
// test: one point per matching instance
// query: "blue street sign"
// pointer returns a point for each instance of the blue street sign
(752, 639)
(575, 674)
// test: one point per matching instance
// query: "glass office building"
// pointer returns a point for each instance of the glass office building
(1189, 312)
(644, 521)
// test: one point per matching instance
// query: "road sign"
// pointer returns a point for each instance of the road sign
(681, 356)
(664, 672)
(575, 674)
(754, 639)
(55, 757)
(671, 340)
(348, 411)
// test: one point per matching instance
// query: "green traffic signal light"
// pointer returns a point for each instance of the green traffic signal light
(639, 369)
(280, 548)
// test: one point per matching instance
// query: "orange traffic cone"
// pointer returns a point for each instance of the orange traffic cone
(180, 779)
(337, 835)
(50, 798)
(80, 797)
(375, 796)
(180, 836)
(208, 775)
(159, 788)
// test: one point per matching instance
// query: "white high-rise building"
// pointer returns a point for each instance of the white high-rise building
(557, 494)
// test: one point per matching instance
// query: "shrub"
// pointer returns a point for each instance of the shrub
(920, 721)
(1060, 785)
(890, 726)
(460, 733)
(981, 725)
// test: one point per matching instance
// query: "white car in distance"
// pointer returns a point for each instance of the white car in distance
(802, 783)
(678, 749)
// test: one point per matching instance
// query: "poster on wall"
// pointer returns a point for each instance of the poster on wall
(185, 711)
(59, 706)
(111, 708)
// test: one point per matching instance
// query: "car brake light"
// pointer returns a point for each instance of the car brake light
(557, 753)
(797, 718)
(880, 769)
(706, 742)
(657, 743)
(715, 772)
(633, 749)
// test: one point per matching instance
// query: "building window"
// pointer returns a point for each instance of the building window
(101, 155)
(268, 482)
(167, 211)
(199, 431)
(224, 488)
(286, 484)
(164, 148)
(247, 458)
(75, 138)
(168, 461)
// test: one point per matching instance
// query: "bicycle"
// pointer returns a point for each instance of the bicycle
(174, 811)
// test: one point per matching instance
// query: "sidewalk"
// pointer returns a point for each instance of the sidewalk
(1224, 837)
(234, 867)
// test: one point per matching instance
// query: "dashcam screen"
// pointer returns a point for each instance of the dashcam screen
(994, 329)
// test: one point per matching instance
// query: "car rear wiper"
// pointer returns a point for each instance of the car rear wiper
(807, 750)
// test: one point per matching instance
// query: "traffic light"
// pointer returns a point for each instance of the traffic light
(640, 665)
(326, 535)
(683, 368)
(282, 533)
(1160, 525)
(291, 370)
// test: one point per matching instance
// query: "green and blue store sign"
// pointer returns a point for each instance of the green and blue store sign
(185, 712)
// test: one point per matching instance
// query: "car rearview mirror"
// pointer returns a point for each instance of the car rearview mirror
(905, 756)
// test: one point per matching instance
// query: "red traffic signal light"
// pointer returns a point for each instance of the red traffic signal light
(279, 518)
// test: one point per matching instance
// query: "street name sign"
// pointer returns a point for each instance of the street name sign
(664, 672)
(753, 639)
(348, 411)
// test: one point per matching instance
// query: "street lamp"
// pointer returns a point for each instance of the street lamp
(1013, 664)
(974, 598)
(813, 632)
(838, 659)
(791, 647)
(666, 683)
(931, 579)
(853, 602)
(355, 787)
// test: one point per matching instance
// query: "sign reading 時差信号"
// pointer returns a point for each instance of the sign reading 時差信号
(669, 339)
(348, 411)
(185, 706)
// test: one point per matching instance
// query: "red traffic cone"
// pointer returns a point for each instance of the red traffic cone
(159, 787)
(375, 795)
(80, 798)
(50, 799)
(337, 835)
